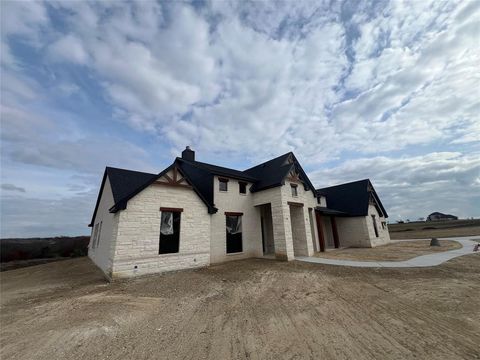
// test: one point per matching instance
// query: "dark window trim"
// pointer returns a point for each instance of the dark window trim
(223, 181)
(234, 237)
(294, 188)
(292, 203)
(164, 252)
(240, 184)
(374, 220)
(99, 234)
(171, 209)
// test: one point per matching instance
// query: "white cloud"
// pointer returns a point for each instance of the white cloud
(244, 81)
(29, 139)
(414, 186)
(69, 48)
(261, 76)
(23, 17)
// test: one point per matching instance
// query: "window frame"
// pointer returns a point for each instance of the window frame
(294, 190)
(222, 181)
(176, 212)
(242, 184)
(375, 225)
(94, 236)
(227, 235)
(99, 234)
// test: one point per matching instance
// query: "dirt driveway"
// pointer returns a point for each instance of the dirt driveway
(253, 309)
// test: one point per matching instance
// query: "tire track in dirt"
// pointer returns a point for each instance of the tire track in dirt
(250, 309)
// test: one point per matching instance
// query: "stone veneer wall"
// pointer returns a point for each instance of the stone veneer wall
(383, 234)
(233, 201)
(359, 232)
(299, 231)
(137, 240)
(353, 232)
(282, 230)
(308, 200)
(102, 254)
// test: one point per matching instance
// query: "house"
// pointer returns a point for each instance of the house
(193, 214)
(438, 216)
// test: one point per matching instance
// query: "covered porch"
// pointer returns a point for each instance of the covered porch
(327, 229)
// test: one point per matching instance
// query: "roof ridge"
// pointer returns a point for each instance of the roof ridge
(347, 183)
(224, 171)
(275, 158)
(204, 163)
(122, 169)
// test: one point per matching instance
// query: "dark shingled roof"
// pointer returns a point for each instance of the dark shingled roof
(273, 172)
(219, 170)
(200, 175)
(328, 211)
(201, 178)
(126, 184)
(351, 198)
(122, 182)
(270, 173)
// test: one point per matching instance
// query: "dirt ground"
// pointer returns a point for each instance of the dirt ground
(397, 251)
(251, 309)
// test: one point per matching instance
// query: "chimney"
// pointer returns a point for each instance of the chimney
(188, 154)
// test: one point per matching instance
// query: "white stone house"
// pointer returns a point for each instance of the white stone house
(193, 214)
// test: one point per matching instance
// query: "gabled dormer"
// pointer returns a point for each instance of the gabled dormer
(275, 172)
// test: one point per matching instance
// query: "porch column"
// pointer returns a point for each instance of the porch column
(321, 239)
(336, 242)
(282, 231)
(308, 232)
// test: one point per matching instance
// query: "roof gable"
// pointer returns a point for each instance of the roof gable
(352, 198)
(122, 183)
(163, 178)
(199, 176)
(272, 173)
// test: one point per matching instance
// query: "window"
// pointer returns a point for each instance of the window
(319, 200)
(234, 233)
(99, 234)
(242, 187)
(169, 231)
(384, 225)
(223, 184)
(375, 225)
(94, 236)
(294, 189)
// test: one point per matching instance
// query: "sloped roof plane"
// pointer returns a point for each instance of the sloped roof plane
(126, 183)
(351, 198)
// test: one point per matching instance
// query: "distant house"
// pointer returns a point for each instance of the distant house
(438, 216)
(193, 214)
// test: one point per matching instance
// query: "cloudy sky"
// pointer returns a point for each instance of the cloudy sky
(384, 90)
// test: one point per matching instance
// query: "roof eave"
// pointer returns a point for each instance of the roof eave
(98, 198)
(253, 190)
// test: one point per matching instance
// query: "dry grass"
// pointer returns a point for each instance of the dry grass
(397, 251)
(439, 229)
